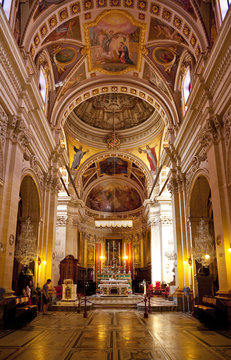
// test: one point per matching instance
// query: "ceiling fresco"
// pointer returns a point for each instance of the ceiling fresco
(114, 67)
(114, 42)
(63, 59)
(68, 30)
(114, 197)
(160, 31)
(109, 111)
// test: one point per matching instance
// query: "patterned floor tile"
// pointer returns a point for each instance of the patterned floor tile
(114, 335)
(19, 338)
(83, 354)
(156, 354)
(133, 338)
(98, 339)
(212, 338)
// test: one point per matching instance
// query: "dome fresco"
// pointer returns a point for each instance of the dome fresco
(107, 111)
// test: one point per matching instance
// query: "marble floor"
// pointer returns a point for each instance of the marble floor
(114, 335)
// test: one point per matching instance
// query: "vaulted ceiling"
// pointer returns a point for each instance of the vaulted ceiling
(115, 65)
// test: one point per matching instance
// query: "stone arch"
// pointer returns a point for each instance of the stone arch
(29, 208)
(106, 154)
(63, 108)
(190, 29)
(201, 214)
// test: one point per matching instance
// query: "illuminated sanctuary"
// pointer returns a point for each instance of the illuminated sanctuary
(115, 135)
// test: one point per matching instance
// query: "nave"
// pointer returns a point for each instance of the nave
(115, 335)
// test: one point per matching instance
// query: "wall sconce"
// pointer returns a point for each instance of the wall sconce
(229, 249)
(125, 257)
(102, 257)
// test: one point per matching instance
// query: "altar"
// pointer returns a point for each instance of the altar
(112, 287)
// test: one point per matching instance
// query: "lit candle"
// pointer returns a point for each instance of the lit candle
(108, 253)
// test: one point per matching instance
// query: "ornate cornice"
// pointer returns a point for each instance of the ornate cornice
(8, 69)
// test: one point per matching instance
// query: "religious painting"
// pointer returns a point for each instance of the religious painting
(113, 197)
(113, 252)
(114, 43)
(78, 76)
(153, 78)
(113, 165)
(44, 4)
(68, 30)
(187, 6)
(161, 31)
(165, 57)
(90, 255)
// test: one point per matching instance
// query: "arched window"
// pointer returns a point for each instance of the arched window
(224, 7)
(186, 87)
(6, 5)
(43, 85)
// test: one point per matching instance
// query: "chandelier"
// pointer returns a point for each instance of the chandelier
(26, 247)
(203, 251)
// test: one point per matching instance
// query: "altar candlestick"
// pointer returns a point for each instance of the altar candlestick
(108, 253)
(113, 253)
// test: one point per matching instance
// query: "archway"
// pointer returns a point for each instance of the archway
(203, 239)
(27, 232)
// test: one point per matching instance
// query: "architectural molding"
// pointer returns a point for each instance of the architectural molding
(62, 220)
(3, 126)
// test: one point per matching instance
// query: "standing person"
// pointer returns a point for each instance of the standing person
(45, 296)
(28, 291)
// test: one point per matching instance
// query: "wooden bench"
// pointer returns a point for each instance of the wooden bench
(16, 312)
(212, 311)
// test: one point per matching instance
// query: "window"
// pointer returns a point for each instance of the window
(224, 6)
(187, 86)
(6, 5)
(43, 85)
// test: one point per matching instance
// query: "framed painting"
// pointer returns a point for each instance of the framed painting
(114, 43)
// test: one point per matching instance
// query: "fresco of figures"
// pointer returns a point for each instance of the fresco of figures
(114, 42)
(113, 197)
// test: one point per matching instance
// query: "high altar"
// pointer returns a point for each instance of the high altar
(113, 276)
(116, 284)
